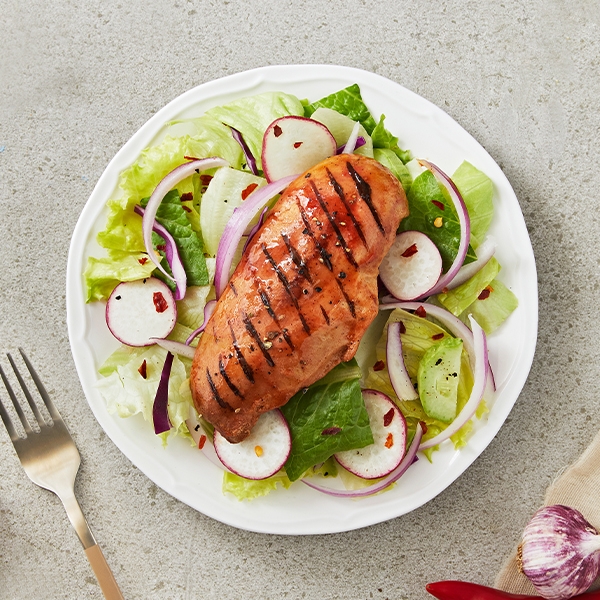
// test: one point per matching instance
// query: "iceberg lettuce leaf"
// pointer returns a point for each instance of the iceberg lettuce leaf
(252, 115)
(102, 275)
(127, 393)
(477, 191)
(491, 308)
(248, 489)
(458, 299)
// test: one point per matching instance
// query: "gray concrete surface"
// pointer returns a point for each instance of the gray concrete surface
(77, 79)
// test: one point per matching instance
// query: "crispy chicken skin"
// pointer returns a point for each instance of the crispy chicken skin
(302, 296)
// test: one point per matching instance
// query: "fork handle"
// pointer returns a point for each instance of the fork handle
(104, 575)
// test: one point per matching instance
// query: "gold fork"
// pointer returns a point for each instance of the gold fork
(51, 460)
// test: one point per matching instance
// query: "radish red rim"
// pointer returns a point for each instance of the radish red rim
(181, 469)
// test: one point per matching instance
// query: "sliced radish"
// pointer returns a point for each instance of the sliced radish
(412, 266)
(138, 311)
(389, 432)
(262, 453)
(294, 145)
(399, 378)
(379, 486)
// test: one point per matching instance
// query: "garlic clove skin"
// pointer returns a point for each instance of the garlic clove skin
(560, 552)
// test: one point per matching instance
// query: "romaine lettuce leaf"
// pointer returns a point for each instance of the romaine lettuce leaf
(327, 417)
(389, 159)
(349, 102)
(252, 115)
(429, 208)
(174, 218)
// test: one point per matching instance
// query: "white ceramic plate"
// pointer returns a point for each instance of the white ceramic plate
(181, 470)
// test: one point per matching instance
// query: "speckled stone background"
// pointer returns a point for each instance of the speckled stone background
(77, 79)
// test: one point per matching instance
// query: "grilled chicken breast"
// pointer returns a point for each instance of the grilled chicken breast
(303, 294)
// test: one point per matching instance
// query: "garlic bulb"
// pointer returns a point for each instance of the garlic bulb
(560, 552)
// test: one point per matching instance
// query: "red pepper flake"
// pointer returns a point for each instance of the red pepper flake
(485, 293)
(387, 418)
(159, 302)
(379, 366)
(410, 251)
(389, 441)
(277, 131)
(143, 260)
(423, 426)
(439, 204)
(205, 179)
(186, 208)
(190, 158)
(421, 312)
(201, 442)
(143, 370)
(249, 190)
(402, 327)
(331, 431)
(437, 336)
(162, 247)
(297, 144)
(187, 197)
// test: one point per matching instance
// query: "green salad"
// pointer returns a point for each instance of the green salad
(196, 214)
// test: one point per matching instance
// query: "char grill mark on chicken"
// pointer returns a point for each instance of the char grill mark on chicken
(303, 294)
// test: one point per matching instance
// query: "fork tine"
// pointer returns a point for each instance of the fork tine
(36, 411)
(15, 402)
(41, 389)
(12, 432)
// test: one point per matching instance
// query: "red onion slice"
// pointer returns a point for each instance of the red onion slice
(168, 182)
(175, 347)
(465, 227)
(399, 378)
(209, 309)
(479, 381)
(237, 224)
(351, 142)
(250, 160)
(484, 253)
(160, 408)
(256, 227)
(171, 253)
(406, 462)
(360, 141)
